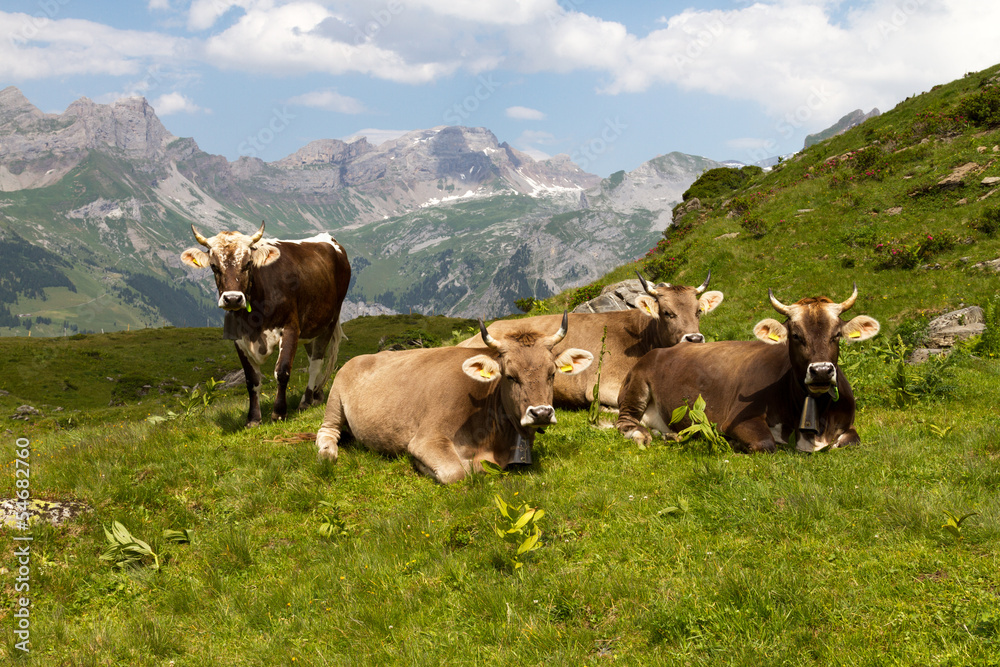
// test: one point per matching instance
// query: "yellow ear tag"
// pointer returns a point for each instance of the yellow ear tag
(854, 334)
(566, 368)
(648, 309)
(486, 374)
(773, 336)
(195, 262)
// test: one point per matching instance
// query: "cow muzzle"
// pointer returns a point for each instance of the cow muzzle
(539, 415)
(693, 338)
(820, 377)
(232, 300)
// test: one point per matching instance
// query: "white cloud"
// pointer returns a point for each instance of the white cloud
(203, 14)
(330, 100)
(160, 5)
(175, 102)
(290, 37)
(530, 140)
(524, 113)
(37, 47)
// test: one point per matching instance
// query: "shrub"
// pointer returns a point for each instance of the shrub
(754, 225)
(988, 344)
(585, 293)
(988, 221)
(982, 108)
(721, 181)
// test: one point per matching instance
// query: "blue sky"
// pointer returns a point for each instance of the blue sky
(612, 84)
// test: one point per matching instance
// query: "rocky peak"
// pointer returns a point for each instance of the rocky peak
(326, 151)
(16, 110)
(129, 124)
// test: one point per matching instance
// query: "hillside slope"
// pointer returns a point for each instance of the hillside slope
(907, 205)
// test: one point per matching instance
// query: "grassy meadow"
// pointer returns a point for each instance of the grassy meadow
(881, 554)
(665, 555)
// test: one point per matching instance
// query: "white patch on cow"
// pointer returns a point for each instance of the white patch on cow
(315, 371)
(272, 337)
(319, 238)
(776, 434)
(811, 443)
(652, 419)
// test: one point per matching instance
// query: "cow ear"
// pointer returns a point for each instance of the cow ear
(265, 254)
(194, 257)
(770, 331)
(647, 306)
(573, 361)
(481, 368)
(709, 300)
(860, 328)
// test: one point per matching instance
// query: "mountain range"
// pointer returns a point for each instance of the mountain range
(99, 200)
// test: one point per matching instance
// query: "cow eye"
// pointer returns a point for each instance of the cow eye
(246, 267)
(837, 336)
(215, 269)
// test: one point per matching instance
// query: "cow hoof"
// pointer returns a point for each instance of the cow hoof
(253, 423)
(642, 438)
(277, 418)
(327, 447)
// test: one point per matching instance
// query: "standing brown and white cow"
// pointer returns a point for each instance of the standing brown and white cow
(665, 316)
(451, 408)
(757, 392)
(277, 294)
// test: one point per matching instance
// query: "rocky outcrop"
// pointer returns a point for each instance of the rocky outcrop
(852, 119)
(945, 331)
(619, 296)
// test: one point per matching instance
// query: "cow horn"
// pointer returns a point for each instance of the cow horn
(490, 341)
(850, 300)
(199, 238)
(704, 285)
(778, 306)
(260, 232)
(645, 285)
(559, 335)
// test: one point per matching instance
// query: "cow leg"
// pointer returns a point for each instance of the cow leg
(283, 370)
(848, 438)
(634, 400)
(333, 426)
(251, 371)
(437, 457)
(323, 353)
(755, 434)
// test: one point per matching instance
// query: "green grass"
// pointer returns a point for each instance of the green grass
(834, 558)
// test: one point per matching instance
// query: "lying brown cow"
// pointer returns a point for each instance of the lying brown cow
(757, 392)
(664, 316)
(451, 408)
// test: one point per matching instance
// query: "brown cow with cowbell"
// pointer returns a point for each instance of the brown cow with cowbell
(757, 392)
(277, 294)
(451, 408)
